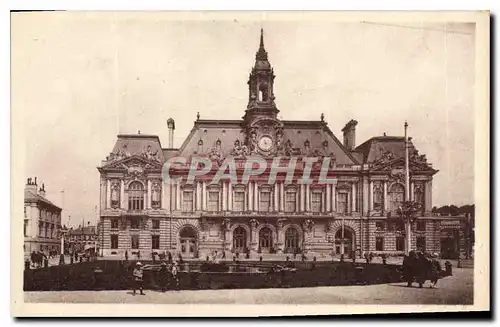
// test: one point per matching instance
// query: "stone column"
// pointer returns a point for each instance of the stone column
(108, 193)
(250, 196)
(204, 195)
(412, 188)
(282, 197)
(148, 195)
(354, 209)
(308, 198)
(123, 203)
(328, 198)
(198, 196)
(276, 201)
(178, 196)
(254, 238)
(371, 196)
(230, 196)
(385, 196)
(334, 197)
(224, 200)
(165, 196)
(256, 197)
(301, 197)
(280, 237)
(428, 197)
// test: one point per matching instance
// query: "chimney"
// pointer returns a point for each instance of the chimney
(30, 185)
(349, 131)
(171, 128)
(41, 192)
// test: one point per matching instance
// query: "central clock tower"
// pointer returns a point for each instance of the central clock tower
(263, 129)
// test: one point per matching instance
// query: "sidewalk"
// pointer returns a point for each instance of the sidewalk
(457, 289)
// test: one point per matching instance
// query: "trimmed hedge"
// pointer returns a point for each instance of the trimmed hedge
(117, 275)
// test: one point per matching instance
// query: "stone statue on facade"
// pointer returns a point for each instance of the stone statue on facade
(308, 225)
(149, 154)
(239, 150)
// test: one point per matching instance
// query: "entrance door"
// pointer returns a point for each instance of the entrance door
(291, 239)
(265, 239)
(188, 242)
(239, 239)
(344, 245)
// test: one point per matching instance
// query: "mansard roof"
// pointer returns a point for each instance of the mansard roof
(31, 196)
(380, 150)
(228, 131)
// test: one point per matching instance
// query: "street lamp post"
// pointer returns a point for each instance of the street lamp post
(408, 210)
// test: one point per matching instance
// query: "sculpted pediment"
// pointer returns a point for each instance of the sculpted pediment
(135, 164)
(396, 167)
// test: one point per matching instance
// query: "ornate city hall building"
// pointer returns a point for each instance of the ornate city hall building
(354, 214)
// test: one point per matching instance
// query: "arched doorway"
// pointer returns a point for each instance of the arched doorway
(188, 241)
(239, 239)
(265, 239)
(344, 241)
(292, 239)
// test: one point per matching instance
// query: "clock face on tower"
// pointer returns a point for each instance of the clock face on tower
(265, 143)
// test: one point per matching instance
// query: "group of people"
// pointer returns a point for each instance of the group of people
(168, 277)
(417, 267)
(39, 259)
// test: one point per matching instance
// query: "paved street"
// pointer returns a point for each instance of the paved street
(457, 289)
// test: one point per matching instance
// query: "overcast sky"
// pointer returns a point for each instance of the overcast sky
(86, 78)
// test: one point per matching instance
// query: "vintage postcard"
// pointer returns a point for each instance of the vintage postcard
(249, 163)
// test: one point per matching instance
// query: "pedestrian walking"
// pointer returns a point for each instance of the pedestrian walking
(138, 278)
(126, 255)
(435, 270)
(422, 269)
(409, 267)
(138, 255)
(175, 275)
(163, 276)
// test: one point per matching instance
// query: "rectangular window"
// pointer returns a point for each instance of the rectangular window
(239, 201)
(40, 228)
(379, 226)
(316, 201)
(187, 201)
(290, 201)
(379, 244)
(421, 225)
(155, 242)
(134, 223)
(400, 243)
(25, 227)
(135, 241)
(114, 223)
(421, 243)
(342, 204)
(213, 201)
(156, 224)
(114, 241)
(265, 201)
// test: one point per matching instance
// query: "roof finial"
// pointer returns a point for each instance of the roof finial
(322, 117)
(198, 115)
(261, 54)
(139, 132)
(261, 38)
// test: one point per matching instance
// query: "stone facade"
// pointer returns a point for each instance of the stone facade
(42, 220)
(356, 213)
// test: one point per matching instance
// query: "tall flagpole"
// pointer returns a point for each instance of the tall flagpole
(407, 191)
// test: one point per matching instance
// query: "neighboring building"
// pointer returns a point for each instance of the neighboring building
(83, 239)
(42, 220)
(356, 213)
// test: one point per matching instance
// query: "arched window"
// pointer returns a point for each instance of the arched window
(291, 239)
(265, 238)
(135, 196)
(396, 197)
(239, 239)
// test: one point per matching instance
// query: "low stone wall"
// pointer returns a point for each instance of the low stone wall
(117, 275)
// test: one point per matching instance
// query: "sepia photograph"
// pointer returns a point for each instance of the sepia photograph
(182, 159)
